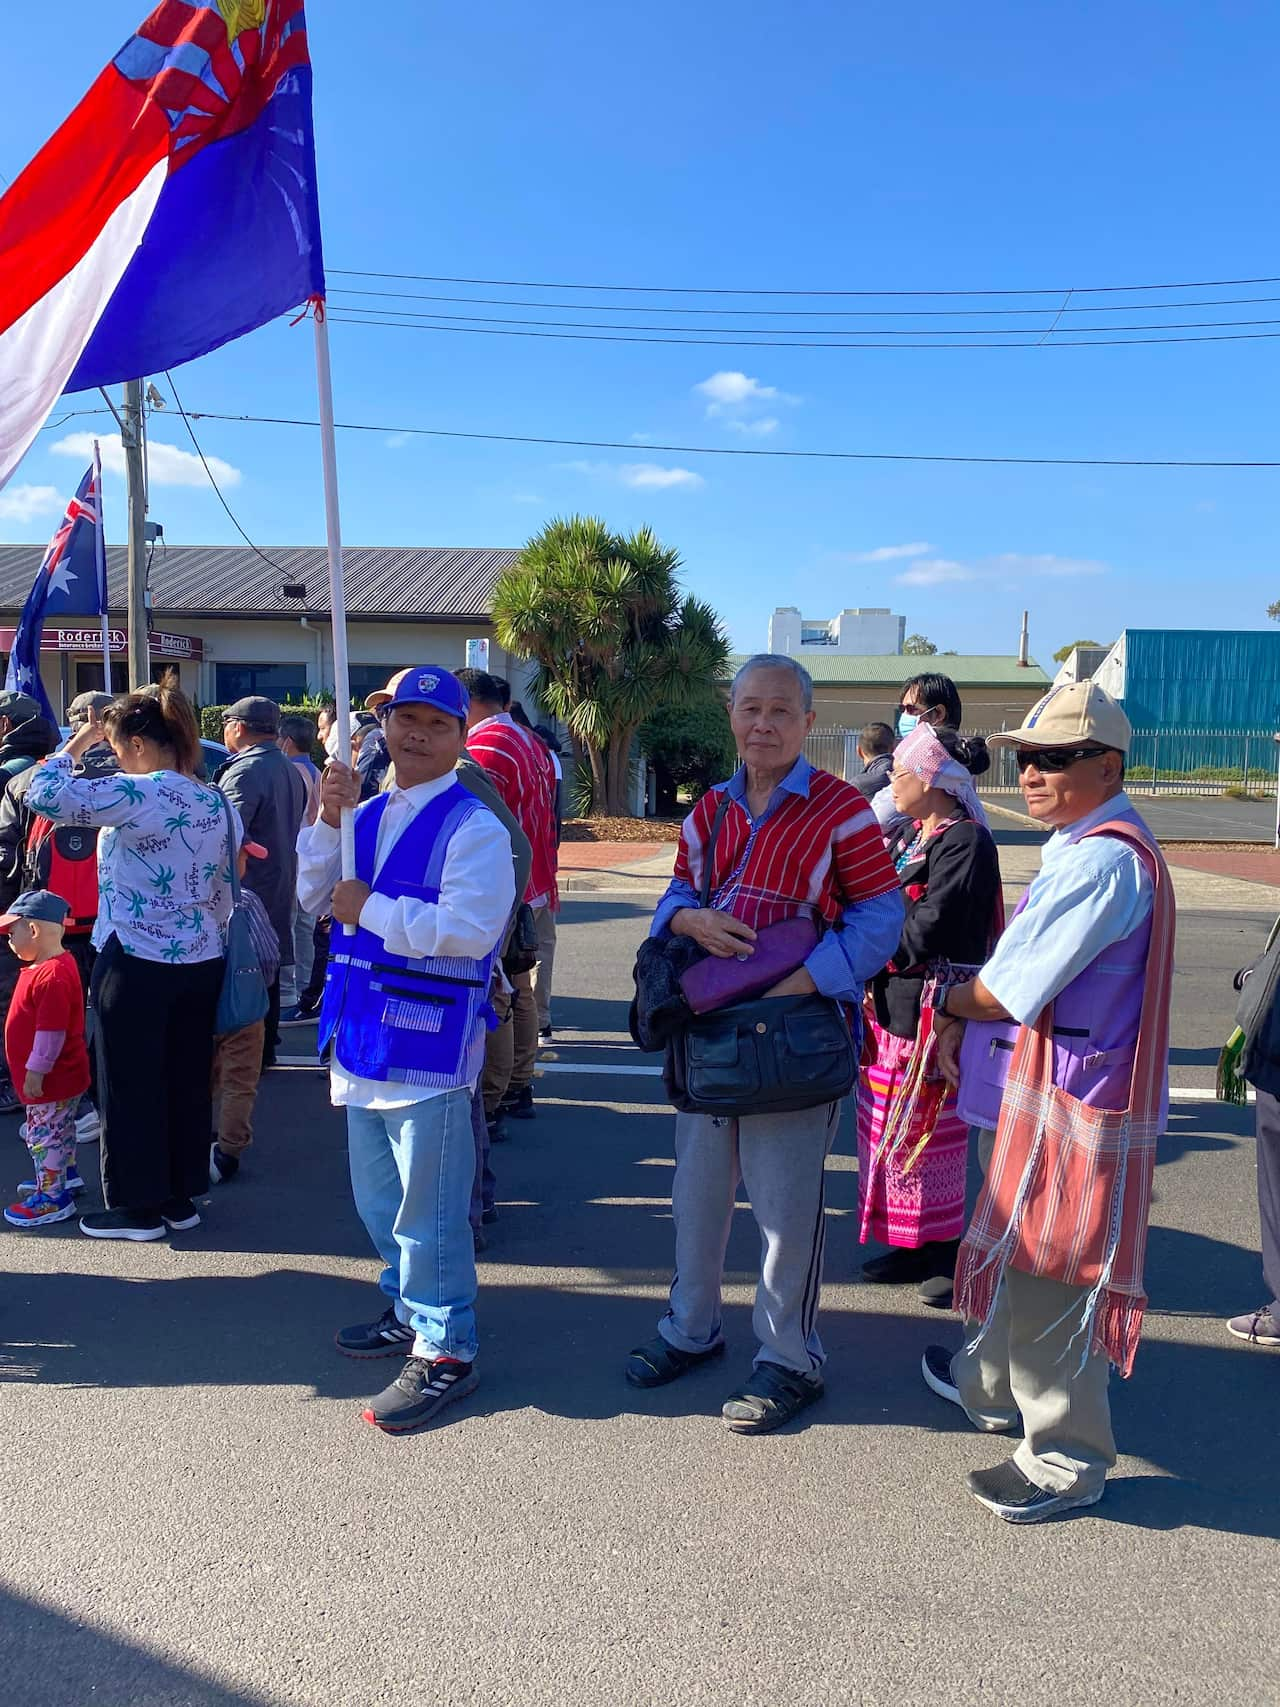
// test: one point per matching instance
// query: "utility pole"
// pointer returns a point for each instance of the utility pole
(136, 602)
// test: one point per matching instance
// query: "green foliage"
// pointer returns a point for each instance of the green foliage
(1064, 652)
(210, 716)
(919, 646)
(689, 746)
(604, 618)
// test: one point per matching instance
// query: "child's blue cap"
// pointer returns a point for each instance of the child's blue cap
(36, 904)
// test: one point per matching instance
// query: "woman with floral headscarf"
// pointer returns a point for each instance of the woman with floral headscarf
(912, 1145)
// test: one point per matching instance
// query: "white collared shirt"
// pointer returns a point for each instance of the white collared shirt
(477, 893)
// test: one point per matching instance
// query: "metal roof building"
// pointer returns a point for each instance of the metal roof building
(233, 622)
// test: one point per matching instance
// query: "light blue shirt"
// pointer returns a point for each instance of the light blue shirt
(1087, 895)
(843, 959)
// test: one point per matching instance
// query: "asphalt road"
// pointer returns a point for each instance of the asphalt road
(1193, 817)
(193, 1512)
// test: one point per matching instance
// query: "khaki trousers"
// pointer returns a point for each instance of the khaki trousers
(499, 1049)
(524, 1022)
(542, 972)
(237, 1067)
(1029, 1361)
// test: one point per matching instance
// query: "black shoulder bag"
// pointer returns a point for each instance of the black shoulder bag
(773, 1055)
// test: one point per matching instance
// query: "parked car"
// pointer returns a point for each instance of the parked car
(215, 754)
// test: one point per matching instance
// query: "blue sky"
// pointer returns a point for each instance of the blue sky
(801, 147)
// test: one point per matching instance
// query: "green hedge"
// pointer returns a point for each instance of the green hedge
(211, 715)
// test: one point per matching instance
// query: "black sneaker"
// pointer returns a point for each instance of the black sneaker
(498, 1133)
(383, 1338)
(657, 1361)
(518, 1105)
(222, 1167)
(180, 1215)
(136, 1224)
(546, 1035)
(935, 1366)
(1008, 1493)
(422, 1388)
(770, 1397)
(297, 1015)
(489, 1218)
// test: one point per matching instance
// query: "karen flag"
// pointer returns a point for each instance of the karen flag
(173, 211)
(71, 581)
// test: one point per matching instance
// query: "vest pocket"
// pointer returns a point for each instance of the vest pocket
(417, 1013)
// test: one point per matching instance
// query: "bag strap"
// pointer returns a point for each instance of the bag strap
(231, 849)
(726, 801)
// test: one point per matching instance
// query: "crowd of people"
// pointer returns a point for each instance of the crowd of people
(818, 938)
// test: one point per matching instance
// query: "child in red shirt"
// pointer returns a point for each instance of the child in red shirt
(45, 1048)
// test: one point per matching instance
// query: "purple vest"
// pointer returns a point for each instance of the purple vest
(1095, 1035)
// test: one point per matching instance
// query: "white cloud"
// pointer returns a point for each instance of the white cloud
(1046, 563)
(935, 572)
(167, 464)
(758, 429)
(889, 553)
(396, 441)
(644, 476)
(641, 438)
(527, 498)
(652, 476)
(729, 390)
(28, 503)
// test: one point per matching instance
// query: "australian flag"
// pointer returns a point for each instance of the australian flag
(71, 581)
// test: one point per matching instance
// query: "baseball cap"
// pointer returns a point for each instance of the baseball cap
(1068, 715)
(18, 707)
(36, 904)
(383, 696)
(427, 684)
(84, 705)
(255, 712)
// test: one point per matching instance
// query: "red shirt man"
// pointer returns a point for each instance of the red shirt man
(520, 769)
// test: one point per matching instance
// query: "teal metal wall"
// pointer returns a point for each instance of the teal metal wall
(1198, 679)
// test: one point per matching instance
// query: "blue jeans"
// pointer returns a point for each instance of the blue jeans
(412, 1171)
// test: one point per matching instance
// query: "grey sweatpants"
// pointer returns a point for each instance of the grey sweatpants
(1268, 1129)
(1025, 1363)
(781, 1159)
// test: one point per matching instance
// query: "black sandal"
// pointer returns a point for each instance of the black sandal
(657, 1361)
(770, 1397)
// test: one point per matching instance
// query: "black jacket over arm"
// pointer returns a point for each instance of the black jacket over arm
(960, 874)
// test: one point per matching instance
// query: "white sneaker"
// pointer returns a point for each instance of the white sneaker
(89, 1127)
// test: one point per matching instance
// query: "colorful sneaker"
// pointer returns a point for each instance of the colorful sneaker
(375, 1339)
(28, 1188)
(40, 1209)
(421, 1389)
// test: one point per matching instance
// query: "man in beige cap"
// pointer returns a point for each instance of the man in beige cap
(1060, 1050)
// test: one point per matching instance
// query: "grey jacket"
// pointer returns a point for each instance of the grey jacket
(269, 793)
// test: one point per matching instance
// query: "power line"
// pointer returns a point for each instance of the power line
(805, 332)
(802, 313)
(271, 563)
(722, 290)
(1027, 343)
(739, 450)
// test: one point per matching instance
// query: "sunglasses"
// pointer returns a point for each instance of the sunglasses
(1049, 761)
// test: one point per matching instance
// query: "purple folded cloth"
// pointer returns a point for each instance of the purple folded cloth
(779, 949)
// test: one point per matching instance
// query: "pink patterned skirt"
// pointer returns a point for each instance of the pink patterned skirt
(907, 1209)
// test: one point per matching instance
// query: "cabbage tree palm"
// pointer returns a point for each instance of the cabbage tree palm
(614, 638)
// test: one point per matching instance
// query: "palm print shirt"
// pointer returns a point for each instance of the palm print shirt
(164, 875)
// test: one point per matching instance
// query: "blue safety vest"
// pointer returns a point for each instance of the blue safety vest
(411, 1021)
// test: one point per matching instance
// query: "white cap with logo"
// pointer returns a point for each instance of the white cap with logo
(1068, 717)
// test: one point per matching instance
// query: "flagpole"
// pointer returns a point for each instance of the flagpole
(337, 590)
(100, 555)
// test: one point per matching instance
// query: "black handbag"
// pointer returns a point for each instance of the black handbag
(773, 1055)
(521, 953)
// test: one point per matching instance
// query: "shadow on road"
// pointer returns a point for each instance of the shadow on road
(63, 1661)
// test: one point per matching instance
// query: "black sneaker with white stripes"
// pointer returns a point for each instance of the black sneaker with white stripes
(422, 1388)
(383, 1338)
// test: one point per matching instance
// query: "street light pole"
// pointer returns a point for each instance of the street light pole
(136, 600)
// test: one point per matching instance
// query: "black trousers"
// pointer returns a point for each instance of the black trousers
(85, 955)
(153, 1035)
(310, 997)
(271, 1027)
(1268, 1127)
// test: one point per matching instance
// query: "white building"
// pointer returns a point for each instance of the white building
(864, 632)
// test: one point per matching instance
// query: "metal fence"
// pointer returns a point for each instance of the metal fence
(1168, 761)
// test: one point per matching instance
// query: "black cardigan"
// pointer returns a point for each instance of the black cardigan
(960, 872)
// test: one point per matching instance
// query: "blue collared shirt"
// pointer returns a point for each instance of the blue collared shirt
(1087, 895)
(844, 959)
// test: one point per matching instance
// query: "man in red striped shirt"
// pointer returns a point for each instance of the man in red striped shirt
(795, 842)
(519, 767)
